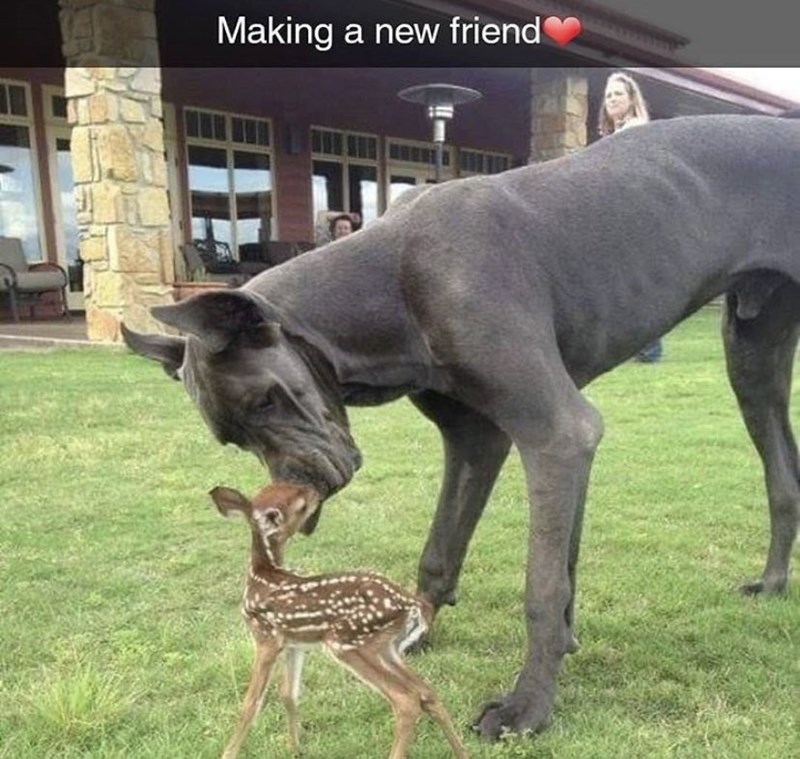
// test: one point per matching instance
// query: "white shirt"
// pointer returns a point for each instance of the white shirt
(632, 121)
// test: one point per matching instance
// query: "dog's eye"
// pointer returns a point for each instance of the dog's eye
(265, 404)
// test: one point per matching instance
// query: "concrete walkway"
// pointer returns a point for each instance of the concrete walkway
(44, 334)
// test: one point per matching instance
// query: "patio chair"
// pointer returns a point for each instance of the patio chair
(279, 252)
(199, 269)
(24, 281)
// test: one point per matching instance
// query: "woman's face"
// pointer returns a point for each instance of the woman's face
(342, 228)
(617, 100)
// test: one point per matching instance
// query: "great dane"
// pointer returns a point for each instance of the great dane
(490, 302)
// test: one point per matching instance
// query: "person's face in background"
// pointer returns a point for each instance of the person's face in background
(617, 100)
(342, 228)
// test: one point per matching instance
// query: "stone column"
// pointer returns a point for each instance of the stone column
(113, 89)
(559, 109)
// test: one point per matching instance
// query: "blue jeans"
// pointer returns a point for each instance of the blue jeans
(650, 354)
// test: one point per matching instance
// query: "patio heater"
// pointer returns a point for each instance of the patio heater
(440, 100)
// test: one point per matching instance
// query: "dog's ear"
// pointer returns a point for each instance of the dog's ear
(229, 500)
(217, 318)
(167, 350)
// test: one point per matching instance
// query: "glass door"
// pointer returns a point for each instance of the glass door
(230, 184)
(67, 241)
(412, 163)
(401, 181)
(252, 185)
(209, 193)
(62, 190)
(18, 204)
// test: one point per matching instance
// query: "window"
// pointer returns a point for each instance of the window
(58, 143)
(207, 126)
(230, 181)
(327, 141)
(408, 152)
(345, 173)
(19, 205)
(362, 146)
(13, 101)
(412, 163)
(66, 199)
(328, 186)
(58, 106)
(62, 189)
(479, 162)
(250, 131)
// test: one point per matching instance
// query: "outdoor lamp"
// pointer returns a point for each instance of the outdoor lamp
(441, 100)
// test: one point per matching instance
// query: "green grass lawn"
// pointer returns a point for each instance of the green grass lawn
(120, 633)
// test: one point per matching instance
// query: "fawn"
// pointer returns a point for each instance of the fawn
(364, 620)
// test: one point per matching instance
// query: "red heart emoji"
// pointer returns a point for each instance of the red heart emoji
(562, 31)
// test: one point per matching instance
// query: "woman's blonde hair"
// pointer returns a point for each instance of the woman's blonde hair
(638, 105)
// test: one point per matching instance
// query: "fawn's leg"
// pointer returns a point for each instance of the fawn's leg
(267, 650)
(290, 694)
(366, 664)
(429, 700)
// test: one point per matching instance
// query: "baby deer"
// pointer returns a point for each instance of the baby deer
(364, 620)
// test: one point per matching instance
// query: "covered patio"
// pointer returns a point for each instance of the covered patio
(120, 160)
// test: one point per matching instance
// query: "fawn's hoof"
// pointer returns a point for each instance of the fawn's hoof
(423, 643)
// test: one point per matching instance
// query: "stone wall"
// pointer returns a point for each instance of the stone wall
(560, 108)
(113, 89)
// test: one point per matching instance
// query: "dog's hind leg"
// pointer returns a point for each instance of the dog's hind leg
(760, 352)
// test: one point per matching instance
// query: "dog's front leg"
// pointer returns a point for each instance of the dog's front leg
(557, 452)
(474, 450)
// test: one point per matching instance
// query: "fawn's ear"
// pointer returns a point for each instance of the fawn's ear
(228, 500)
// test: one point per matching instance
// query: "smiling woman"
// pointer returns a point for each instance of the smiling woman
(623, 105)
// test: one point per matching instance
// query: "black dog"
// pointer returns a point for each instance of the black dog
(491, 302)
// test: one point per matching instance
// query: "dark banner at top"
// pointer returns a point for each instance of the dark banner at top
(371, 33)
(420, 33)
